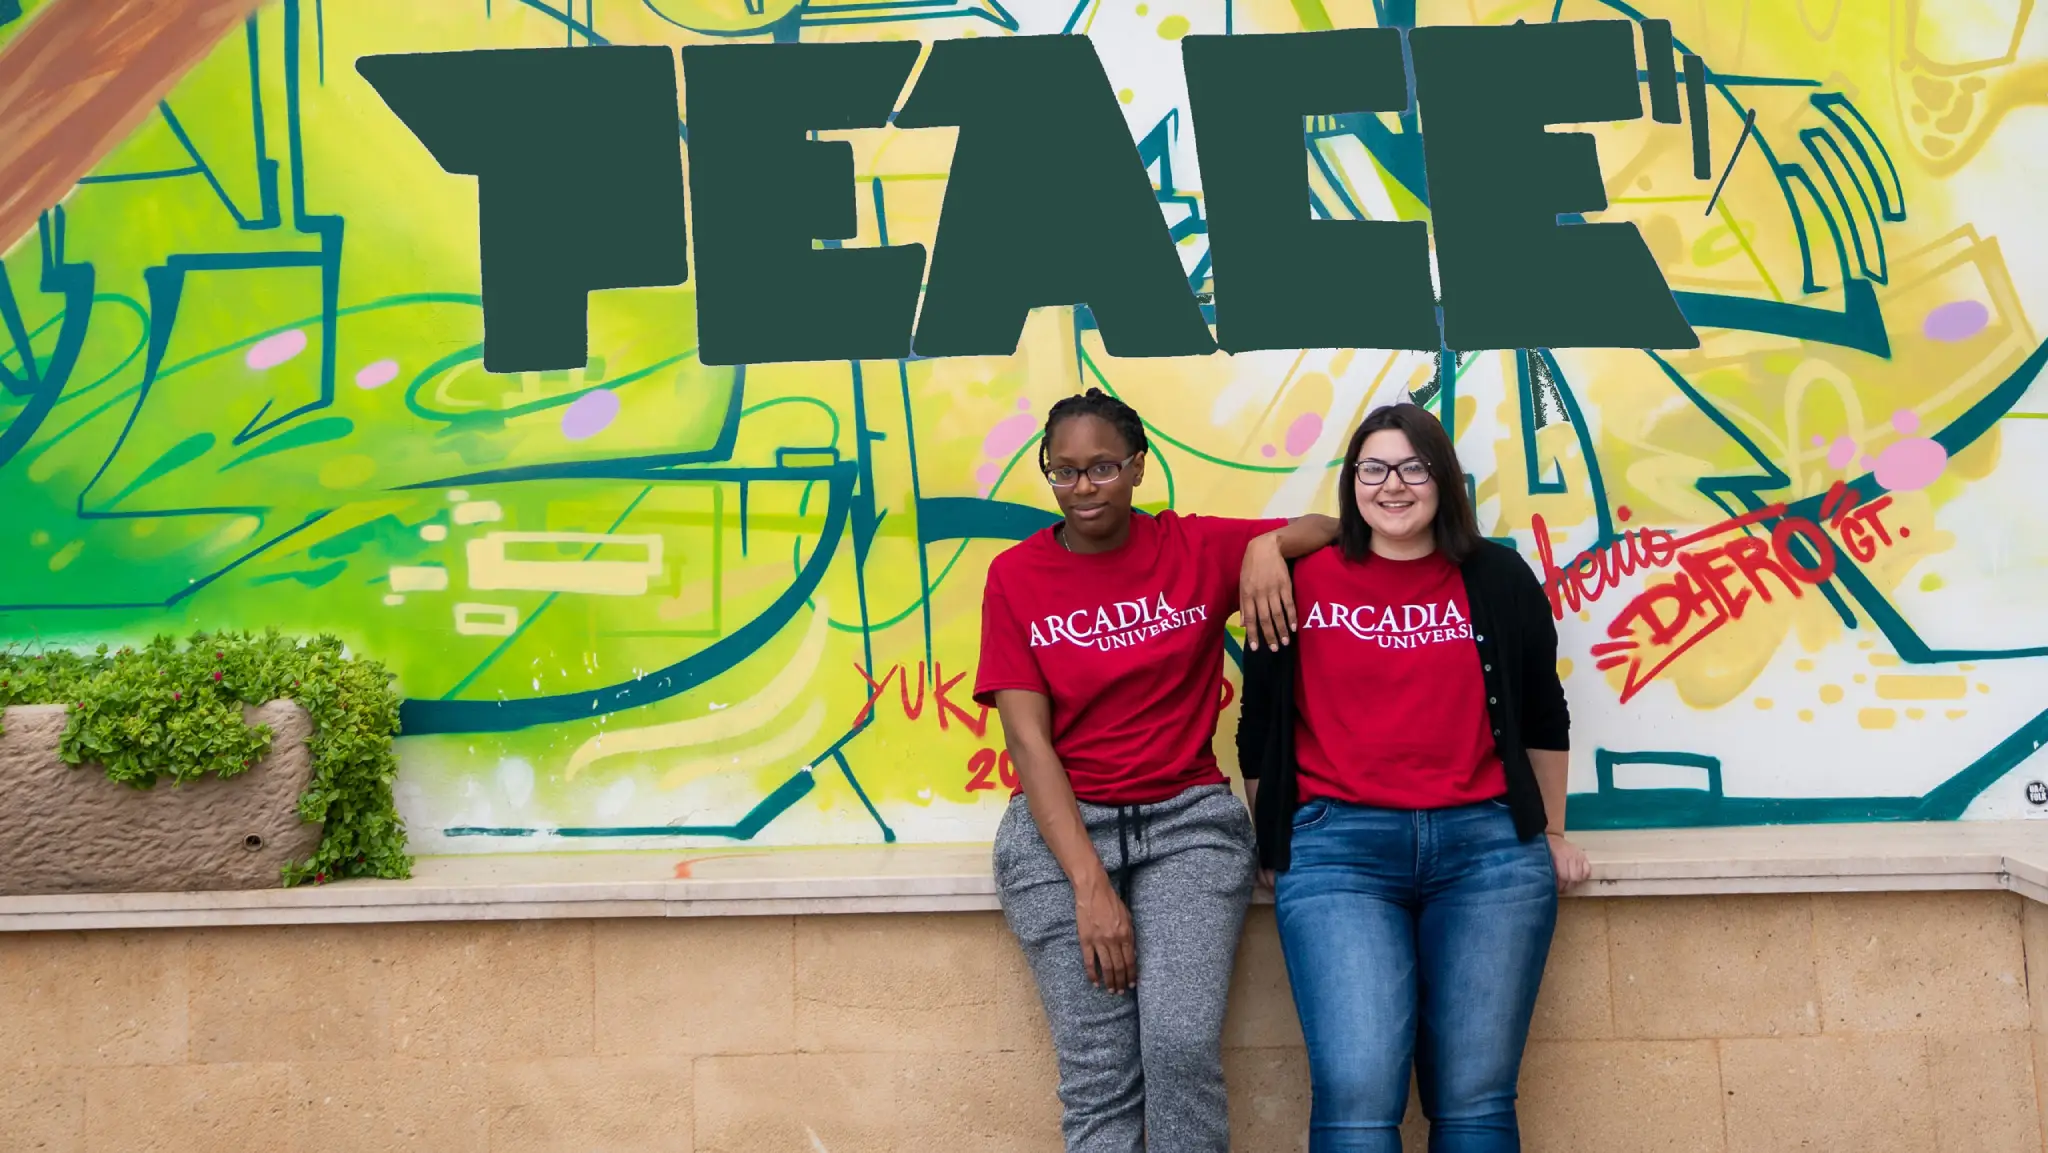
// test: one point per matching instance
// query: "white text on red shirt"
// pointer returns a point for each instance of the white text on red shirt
(1393, 626)
(1116, 625)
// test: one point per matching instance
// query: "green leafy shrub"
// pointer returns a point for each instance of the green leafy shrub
(166, 711)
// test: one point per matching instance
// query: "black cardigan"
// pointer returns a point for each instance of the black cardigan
(1517, 641)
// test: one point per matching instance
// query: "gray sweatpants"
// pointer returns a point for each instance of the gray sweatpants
(1141, 1071)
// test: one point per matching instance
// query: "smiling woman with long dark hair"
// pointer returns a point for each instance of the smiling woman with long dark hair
(1127, 855)
(1409, 756)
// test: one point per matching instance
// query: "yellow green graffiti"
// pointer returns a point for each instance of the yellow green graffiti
(650, 602)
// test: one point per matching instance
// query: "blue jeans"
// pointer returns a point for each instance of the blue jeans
(1415, 939)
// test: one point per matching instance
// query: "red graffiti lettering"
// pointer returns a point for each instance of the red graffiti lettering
(981, 764)
(1680, 601)
(1715, 585)
(1589, 575)
(1864, 531)
(910, 711)
(978, 724)
(986, 767)
(875, 689)
(1753, 557)
(948, 710)
(1817, 541)
(1839, 502)
(1710, 571)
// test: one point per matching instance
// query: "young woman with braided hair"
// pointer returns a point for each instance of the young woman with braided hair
(1126, 856)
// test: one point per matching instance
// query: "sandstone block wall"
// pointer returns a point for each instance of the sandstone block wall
(1865, 1023)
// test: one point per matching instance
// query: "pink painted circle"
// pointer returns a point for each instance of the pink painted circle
(1008, 435)
(377, 374)
(1910, 465)
(1302, 434)
(275, 349)
(1956, 320)
(590, 414)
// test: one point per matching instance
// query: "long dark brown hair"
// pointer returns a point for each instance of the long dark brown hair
(1455, 526)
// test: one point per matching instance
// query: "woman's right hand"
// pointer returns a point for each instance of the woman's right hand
(1109, 949)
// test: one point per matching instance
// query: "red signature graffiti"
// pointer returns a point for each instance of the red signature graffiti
(1719, 583)
(987, 767)
(1594, 571)
(986, 761)
(976, 723)
(983, 762)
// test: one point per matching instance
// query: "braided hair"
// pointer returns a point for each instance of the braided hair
(1095, 402)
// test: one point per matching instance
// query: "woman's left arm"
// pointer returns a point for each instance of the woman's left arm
(1265, 596)
(1546, 730)
(1553, 767)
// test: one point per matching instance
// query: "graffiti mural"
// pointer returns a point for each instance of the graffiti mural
(654, 600)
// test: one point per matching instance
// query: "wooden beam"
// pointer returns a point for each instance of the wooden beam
(80, 78)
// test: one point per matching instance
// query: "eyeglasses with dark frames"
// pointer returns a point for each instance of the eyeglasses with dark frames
(1372, 472)
(1101, 472)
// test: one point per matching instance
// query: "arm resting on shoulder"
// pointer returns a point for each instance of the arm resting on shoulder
(1265, 595)
(1303, 535)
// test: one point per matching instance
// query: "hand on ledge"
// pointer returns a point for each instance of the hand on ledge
(1569, 860)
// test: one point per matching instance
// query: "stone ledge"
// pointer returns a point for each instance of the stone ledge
(1973, 855)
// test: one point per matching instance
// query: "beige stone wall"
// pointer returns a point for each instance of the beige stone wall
(1862, 1023)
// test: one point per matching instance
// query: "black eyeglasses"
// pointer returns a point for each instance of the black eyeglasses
(1414, 471)
(1101, 472)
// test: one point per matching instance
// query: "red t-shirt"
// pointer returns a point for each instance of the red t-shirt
(1127, 644)
(1392, 703)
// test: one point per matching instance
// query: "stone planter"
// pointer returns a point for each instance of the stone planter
(66, 829)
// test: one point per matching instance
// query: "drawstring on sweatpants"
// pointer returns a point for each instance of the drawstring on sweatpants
(1130, 821)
